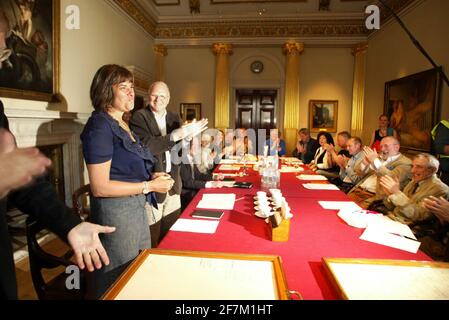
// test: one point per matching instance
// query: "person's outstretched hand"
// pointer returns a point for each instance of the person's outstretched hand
(189, 130)
(86, 244)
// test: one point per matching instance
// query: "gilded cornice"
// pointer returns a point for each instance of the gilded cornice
(396, 5)
(292, 48)
(360, 47)
(238, 29)
(136, 14)
(160, 49)
(222, 48)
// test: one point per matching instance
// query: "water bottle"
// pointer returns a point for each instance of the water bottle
(276, 172)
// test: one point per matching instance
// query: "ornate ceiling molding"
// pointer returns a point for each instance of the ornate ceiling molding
(136, 14)
(303, 27)
(274, 42)
(396, 5)
(238, 29)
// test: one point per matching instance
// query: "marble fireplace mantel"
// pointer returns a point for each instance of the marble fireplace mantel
(45, 127)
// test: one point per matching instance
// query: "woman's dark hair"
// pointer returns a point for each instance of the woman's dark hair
(328, 136)
(101, 93)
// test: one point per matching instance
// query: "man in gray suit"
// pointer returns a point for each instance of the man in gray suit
(162, 131)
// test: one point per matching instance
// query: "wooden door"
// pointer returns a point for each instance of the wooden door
(255, 109)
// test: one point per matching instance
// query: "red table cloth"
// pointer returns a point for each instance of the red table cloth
(314, 233)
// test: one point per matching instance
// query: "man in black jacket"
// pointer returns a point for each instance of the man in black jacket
(306, 146)
(162, 132)
(39, 199)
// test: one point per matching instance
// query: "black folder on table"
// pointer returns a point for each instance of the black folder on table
(245, 185)
(207, 214)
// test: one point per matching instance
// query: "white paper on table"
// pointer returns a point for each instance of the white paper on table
(226, 174)
(224, 201)
(287, 169)
(292, 159)
(357, 218)
(387, 225)
(228, 184)
(390, 240)
(339, 205)
(320, 186)
(228, 161)
(197, 226)
(311, 177)
(229, 167)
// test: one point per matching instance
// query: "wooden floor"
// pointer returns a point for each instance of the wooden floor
(24, 283)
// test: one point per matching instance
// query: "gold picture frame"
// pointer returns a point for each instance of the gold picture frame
(323, 115)
(384, 279)
(412, 104)
(206, 270)
(31, 67)
(190, 111)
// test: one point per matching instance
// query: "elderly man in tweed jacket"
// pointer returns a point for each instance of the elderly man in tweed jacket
(406, 206)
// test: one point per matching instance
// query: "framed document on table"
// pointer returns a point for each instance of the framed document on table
(370, 279)
(189, 275)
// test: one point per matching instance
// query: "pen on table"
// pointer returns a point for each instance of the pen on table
(403, 236)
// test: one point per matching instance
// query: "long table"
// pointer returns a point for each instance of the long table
(314, 233)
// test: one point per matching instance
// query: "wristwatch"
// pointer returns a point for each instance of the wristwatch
(146, 187)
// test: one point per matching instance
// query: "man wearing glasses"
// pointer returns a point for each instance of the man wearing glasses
(368, 192)
(162, 131)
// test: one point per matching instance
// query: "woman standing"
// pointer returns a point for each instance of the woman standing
(383, 131)
(120, 176)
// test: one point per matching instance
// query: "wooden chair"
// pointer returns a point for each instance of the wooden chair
(434, 238)
(54, 289)
(79, 200)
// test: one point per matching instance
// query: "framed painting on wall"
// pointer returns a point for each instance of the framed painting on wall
(323, 115)
(190, 111)
(412, 105)
(29, 62)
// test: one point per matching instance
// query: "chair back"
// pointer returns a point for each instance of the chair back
(79, 201)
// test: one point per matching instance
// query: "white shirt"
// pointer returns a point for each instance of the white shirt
(162, 124)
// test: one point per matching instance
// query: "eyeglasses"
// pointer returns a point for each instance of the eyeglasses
(158, 97)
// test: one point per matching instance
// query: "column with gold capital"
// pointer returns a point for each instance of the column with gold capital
(160, 51)
(222, 51)
(292, 50)
(358, 89)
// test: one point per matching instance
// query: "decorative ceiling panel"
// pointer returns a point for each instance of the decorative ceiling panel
(166, 2)
(251, 1)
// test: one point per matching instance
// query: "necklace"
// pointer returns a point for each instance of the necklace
(125, 127)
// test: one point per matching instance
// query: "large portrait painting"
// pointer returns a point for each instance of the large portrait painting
(412, 106)
(29, 54)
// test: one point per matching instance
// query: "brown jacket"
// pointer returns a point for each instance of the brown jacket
(400, 168)
(405, 206)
